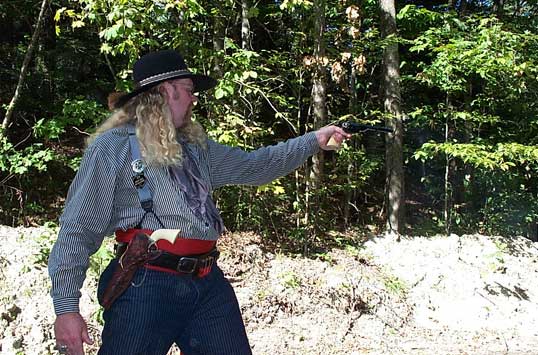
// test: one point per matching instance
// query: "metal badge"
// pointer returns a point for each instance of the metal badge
(138, 166)
(139, 181)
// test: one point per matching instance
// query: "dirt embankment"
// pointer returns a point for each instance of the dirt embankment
(444, 295)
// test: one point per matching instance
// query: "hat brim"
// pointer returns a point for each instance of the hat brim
(201, 83)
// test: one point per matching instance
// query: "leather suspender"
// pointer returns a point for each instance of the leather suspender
(139, 180)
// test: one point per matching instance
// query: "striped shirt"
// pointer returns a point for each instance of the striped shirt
(103, 199)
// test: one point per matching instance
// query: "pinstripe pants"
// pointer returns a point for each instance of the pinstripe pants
(201, 315)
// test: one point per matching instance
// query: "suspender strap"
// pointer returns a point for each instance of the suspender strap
(139, 180)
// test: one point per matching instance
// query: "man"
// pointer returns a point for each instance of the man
(149, 167)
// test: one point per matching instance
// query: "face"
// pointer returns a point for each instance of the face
(181, 99)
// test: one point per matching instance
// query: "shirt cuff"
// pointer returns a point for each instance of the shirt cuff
(311, 143)
(66, 305)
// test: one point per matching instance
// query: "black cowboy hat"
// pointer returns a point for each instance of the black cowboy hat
(154, 68)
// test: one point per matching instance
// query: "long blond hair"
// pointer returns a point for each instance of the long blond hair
(158, 137)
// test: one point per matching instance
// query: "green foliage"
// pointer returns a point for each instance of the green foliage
(102, 257)
(469, 84)
(475, 73)
(395, 285)
(290, 280)
(45, 241)
(292, 5)
(474, 154)
(497, 258)
(509, 212)
(15, 162)
(75, 112)
(22, 159)
(274, 187)
(479, 48)
(418, 17)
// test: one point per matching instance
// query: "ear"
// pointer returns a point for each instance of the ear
(166, 90)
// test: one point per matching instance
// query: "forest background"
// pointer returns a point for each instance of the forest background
(457, 80)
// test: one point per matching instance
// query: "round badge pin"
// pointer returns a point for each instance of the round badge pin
(138, 166)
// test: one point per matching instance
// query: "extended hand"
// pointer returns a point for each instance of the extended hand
(71, 332)
(330, 137)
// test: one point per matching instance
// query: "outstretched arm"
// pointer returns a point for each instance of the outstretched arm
(233, 166)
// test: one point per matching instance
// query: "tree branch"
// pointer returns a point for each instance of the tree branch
(24, 69)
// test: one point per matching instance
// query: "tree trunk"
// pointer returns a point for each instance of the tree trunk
(246, 40)
(392, 101)
(465, 172)
(463, 7)
(11, 107)
(532, 231)
(298, 181)
(452, 183)
(46, 57)
(498, 8)
(218, 40)
(448, 193)
(319, 95)
(351, 165)
(319, 116)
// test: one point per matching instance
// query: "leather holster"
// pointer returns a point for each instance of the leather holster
(138, 252)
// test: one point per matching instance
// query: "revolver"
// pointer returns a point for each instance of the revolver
(352, 127)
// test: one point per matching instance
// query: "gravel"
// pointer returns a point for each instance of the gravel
(469, 294)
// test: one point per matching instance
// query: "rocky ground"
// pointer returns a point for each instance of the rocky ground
(467, 294)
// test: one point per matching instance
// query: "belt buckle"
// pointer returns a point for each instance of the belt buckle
(187, 260)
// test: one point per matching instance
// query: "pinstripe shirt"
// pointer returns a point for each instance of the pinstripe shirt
(103, 199)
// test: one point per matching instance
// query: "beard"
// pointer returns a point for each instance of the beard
(193, 132)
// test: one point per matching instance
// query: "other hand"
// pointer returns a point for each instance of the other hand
(71, 332)
(325, 134)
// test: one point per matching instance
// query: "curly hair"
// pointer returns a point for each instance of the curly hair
(158, 137)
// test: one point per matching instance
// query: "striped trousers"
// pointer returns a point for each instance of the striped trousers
(200, 315)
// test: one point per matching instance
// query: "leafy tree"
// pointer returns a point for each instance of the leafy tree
(479, 71)
(468, 82)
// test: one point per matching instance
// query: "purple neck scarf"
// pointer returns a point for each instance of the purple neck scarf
(189, 180)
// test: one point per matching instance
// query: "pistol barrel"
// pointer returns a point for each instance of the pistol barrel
(352, 127)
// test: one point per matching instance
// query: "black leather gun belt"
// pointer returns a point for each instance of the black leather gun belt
(189, 264)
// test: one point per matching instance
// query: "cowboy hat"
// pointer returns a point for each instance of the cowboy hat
(154, 68)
